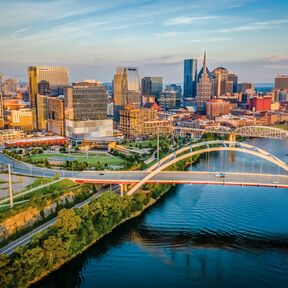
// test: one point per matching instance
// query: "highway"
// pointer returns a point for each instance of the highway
(129, 177)
(25, 239)
(184, 177)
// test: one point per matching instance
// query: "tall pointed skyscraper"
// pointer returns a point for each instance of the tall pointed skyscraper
(204, 86)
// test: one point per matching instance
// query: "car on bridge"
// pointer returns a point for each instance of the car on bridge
(220, 175)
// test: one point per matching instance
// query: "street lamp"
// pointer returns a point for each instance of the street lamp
(10, 186)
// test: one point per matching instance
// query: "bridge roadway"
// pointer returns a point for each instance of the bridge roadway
(186, 177)
(130, 177)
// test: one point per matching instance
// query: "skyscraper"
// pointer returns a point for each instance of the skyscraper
(54, 77)
(281, 82)
(204, 86)
(86, 112)
(57, 77)
(190, 78)
(41, 112)
(171, 97)
(56, 115)
(234, 79)
(151, 86)
(126, 89)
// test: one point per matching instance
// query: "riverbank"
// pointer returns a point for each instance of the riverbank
(134, 215)
(73, 233)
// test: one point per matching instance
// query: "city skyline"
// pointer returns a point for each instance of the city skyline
(156, 36)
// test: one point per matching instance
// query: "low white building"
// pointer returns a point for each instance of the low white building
(77, 131)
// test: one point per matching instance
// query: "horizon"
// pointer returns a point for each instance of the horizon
(92, 38)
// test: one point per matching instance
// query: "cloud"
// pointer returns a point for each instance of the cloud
(168, 34)
(184, 20)
(275, 58)
(255, 26)
(207, 40)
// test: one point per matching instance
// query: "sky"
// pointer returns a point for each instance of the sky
(93, 37)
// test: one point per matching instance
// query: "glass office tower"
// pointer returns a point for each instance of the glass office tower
(190, 78)
(126, 89)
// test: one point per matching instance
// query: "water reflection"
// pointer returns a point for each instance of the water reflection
(197, 235)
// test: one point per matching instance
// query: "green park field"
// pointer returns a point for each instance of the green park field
(92, 159)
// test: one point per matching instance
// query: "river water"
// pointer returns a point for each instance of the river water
(196, 236)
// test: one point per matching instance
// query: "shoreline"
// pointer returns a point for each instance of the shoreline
(135, 215)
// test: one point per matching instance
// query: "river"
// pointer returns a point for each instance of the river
(196, 236)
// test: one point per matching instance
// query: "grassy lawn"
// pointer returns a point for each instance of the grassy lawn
(145, 144)
(48, 191)
(81, 157)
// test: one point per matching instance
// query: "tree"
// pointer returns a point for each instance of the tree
(67, 221)
(54, 250)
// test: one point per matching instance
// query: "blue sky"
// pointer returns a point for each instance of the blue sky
(92, 37)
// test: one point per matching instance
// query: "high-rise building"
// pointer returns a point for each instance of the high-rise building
(86, 112)
(56, 115)
(126, 89)
(142, 122)
(10, 87)
(204, 86)
(151, 86)
(190, 78)
(281, 82)
(243, 87)
(44, 88)
(234, 79)
(221, 76)
(170, 97)
(85, 102)
(57, 77)
(41, 112)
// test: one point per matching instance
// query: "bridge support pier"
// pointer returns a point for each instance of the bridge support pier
(123, 189)
(232, 137)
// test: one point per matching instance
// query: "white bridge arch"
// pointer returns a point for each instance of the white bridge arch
(205, 147)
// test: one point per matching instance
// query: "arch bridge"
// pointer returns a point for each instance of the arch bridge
(245, 131)
(206, 147)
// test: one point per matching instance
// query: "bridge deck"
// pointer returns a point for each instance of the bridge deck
(186, 177)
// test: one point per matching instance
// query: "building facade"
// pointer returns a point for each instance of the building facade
(281, 82)
(171, 97)
(85, 102)
(126, 89)
(22, 119)
(11, 134)
(142, 122)
(217, 107)
(56, 115)
(56, 76)
(41, 112)
(204, 86)
(190, 78)
(10, 87)
(86, 112)
(152, 86)
(259, 104)
(234, 79)
(244, 87)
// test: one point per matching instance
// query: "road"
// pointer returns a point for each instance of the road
(184, 177)
(128, 177)
(25, 239)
